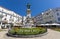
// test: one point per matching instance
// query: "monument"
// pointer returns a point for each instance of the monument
(28, 21)
(28, 28)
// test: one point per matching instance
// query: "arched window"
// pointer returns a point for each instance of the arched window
(59, 19)
(57, 14)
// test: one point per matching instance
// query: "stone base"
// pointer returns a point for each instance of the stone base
(26, 36)
(28, 25)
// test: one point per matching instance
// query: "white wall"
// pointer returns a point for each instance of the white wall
(9, 13)
(52, 16)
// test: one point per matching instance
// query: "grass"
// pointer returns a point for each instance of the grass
(56, 28)
(0, 30)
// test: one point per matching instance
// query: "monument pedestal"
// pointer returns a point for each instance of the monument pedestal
(28, 22)
(28, 25)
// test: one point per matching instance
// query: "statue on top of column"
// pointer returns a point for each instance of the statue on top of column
(28, 5)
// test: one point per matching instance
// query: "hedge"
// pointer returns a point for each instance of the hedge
(27, 31)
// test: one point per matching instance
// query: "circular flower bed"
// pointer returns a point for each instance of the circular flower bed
(27, 31)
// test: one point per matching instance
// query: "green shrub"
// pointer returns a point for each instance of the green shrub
(28, 31)
(12, 31)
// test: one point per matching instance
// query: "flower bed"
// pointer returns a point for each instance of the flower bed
(27, 31)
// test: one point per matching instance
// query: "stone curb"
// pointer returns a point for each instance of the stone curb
(26, 36)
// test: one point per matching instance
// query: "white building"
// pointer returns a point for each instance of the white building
(49, 16)
(8, 16)
(38, 19)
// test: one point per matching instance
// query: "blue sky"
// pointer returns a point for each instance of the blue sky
(37, 6)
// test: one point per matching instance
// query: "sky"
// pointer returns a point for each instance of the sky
(37, 6)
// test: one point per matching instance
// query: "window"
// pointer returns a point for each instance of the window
(47, 13)
(59, 19)
(57, 10)
(50, 21)
(52, 15)
(57, 14)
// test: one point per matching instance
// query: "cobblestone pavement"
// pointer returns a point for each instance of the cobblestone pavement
(51, 35)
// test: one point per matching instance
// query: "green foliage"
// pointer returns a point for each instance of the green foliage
(56, 28)
(28, 31)
(1, 30)
(12, 31)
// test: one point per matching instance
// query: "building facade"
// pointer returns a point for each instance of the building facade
(8, 16)
(49, 16)
(38, 19)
